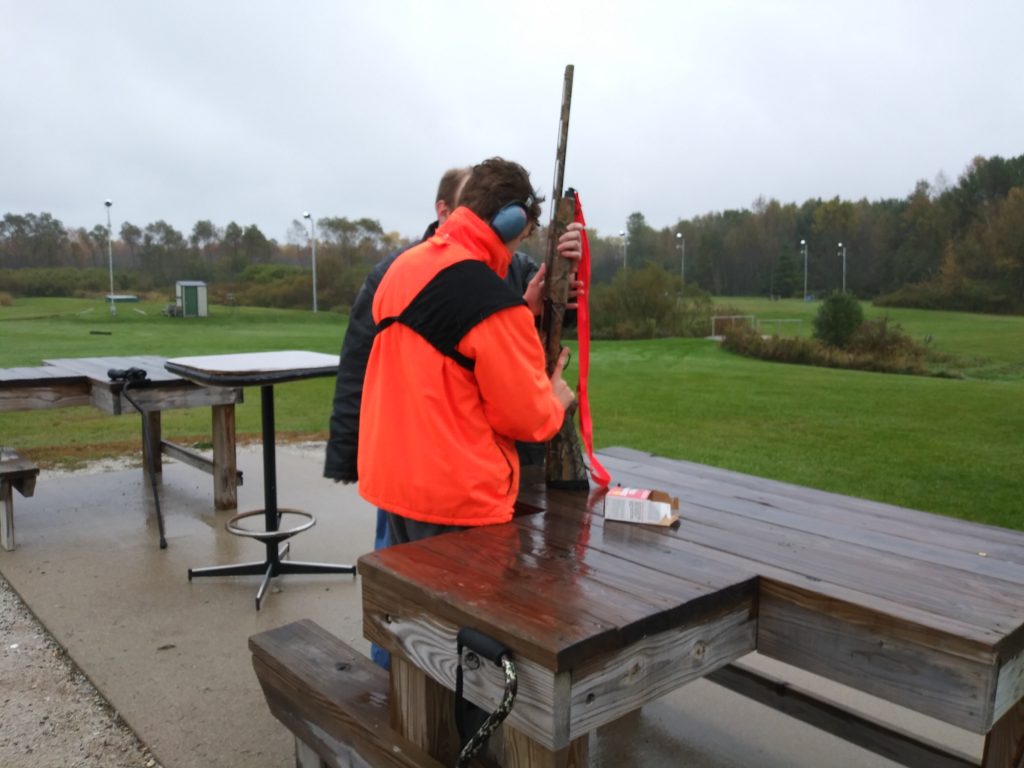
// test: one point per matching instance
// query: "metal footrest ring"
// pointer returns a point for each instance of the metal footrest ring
(279, 535)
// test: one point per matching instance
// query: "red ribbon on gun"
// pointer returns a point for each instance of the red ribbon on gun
(597, 471)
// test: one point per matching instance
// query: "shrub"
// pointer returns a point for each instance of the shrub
(648, 303)
(879, 338)
(291, 292)
(745, 340)
(838, 318)
(270, 273)
(882, 349)
(55, 281)
(694, 310)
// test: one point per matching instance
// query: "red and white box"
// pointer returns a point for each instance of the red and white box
(641, 505)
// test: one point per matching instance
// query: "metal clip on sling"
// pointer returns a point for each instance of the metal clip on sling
(490, 649)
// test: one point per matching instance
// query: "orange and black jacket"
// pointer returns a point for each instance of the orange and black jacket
(343, 439)
(455, 377)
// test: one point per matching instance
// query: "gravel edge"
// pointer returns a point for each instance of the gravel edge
(50, 713)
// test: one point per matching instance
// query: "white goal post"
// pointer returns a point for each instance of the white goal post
(727, 321)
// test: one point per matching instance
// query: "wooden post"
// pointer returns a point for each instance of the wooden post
(7, 515)
(520, 751)
(1004, 744)
(151, 453)
(225, 462)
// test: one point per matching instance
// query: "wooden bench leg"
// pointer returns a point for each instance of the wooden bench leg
(333, 699)
(1004, 744)
(225, 464)
(7, 518)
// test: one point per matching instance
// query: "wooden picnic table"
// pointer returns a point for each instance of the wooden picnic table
(77, 381)
(602, 616)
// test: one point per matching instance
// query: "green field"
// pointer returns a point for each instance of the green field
(943, 445)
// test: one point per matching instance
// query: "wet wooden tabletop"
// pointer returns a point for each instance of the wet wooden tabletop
(923, 610)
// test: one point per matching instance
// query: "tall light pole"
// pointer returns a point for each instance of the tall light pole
(681, 244)
(110, 258)
(843, 248)
(625, 240)
(803, 247)
(312, 242)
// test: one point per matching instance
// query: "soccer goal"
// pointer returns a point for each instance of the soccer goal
(721, 323)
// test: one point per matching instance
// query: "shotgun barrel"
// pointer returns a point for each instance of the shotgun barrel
(564, 467)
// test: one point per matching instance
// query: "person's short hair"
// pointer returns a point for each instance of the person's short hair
(451, 183)
(495, 183)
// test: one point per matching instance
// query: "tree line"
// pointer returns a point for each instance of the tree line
(958, 246)
(943, 246)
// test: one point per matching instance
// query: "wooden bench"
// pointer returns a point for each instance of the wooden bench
(334, 700)
(15, 473)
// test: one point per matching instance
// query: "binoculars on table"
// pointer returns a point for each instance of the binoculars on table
(126, 374)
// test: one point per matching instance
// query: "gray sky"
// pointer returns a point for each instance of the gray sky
(256, 111)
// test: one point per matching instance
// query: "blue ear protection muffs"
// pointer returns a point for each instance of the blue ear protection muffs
(511, 220)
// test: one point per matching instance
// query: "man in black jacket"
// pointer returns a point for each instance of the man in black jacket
(524, 276)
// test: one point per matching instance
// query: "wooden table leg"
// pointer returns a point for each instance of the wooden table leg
(523, 752)
(225, 478)
(7, 515)
(151, 454)
(1004, 744)
(423, 711)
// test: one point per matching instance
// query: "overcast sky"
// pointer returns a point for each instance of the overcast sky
(256, 111)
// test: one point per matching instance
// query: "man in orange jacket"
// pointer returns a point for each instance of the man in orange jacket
(456, 374)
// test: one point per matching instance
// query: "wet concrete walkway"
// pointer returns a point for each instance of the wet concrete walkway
(171, 656)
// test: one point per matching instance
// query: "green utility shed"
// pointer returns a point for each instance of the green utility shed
(190, 296)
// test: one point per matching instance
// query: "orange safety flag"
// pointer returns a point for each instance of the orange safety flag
(597, 472)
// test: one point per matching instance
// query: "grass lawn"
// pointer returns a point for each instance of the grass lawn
(942, 445)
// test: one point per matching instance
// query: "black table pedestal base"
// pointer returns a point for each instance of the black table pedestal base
(274, 564)
(272, 534)
(269, 569)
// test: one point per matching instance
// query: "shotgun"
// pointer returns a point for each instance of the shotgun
(564, 467)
